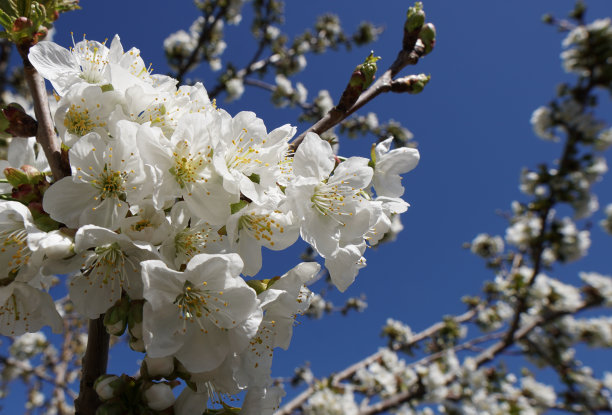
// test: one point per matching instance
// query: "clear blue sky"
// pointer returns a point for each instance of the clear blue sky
(494, 63)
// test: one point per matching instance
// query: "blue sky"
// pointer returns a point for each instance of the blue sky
(494, 63)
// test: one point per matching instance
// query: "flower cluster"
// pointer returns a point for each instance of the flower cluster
(164, 216)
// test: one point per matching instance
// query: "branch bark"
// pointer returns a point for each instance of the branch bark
(94, 365)
(45, 135)
(382, 84)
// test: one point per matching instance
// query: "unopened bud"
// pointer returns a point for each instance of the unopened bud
(57, 245)
(367, 71)
(415, 18)
(159, 396)
(361, 79)
(548, 18)
(107, 386)
(257, 285)
(21, 23)
(137, 345)
(158, 366)
(33, 173)
(16, 177)
(135, 318)
(412, 84)
(115, 319)
(428, 37)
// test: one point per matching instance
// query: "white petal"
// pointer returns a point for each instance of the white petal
(313, 158)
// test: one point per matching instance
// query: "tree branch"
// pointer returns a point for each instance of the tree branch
(94, 365)
(204, 37)
(351, 370)
(45, 135)
(486, 356)
(382, 84)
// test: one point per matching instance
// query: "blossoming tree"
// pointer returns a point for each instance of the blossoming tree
(145, 206)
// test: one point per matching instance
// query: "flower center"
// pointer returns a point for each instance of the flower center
(108, 263)
(187, 166)
(14, 241)
(330, 200)
(260, 226)
(111, 183)
(77, 121)
(140, 225)
(92, 63)
(243, 156)
(192, 302)
(192, 241)
(197, 302)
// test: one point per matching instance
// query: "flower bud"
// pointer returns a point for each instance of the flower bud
(158, 366)
(135, 319)
(159, 396)
(107, 386)
(22, 23)
(428, 37)
(361, 79)
(58, 245)
(16, 177)
(415, 18)
(412, 84)
(137, 345)
(116, 317)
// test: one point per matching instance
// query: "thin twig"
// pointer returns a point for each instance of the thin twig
(351, 370)
(486, 356)
(202, 40)
(382, 84)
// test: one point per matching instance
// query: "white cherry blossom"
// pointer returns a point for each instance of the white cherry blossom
(201, 315)
(106, 177)
(182, 167)
(108, 263)
(389, 164)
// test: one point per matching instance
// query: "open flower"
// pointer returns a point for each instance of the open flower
(389, 165)
(331, 207)
(247, 156)
(109, 264)
(182, 166)
(255, 226)
(201, 315)
(282, 301)
(106, 176)
(24, 308)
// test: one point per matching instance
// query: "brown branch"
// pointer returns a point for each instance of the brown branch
(94, 365)
(45, 135)
(5, 55)
(38, 372)
(351, 370)
(202, 40)
(381, 85)
(486, 356)
(61, 367)
(255, 65)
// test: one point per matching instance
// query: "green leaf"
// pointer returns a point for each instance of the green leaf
(255, 178)
(236, 207)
